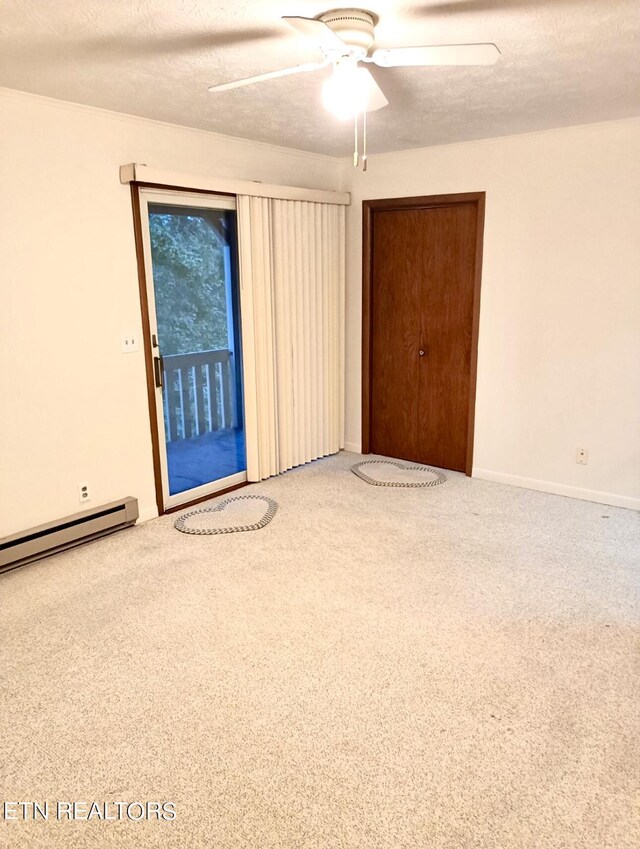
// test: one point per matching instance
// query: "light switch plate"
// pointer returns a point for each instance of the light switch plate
(129, 343)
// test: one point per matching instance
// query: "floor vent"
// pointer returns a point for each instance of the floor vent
(23, 547)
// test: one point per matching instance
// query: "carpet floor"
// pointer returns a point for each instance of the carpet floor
(445, 668)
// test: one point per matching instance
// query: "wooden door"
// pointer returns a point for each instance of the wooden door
(423, 269)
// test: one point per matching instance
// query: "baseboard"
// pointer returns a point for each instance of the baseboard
(147, 515)
(353, 447)
(559, 489)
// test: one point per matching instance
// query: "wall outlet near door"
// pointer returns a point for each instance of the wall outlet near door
(129, 343)
(582, 456)
(84, 493)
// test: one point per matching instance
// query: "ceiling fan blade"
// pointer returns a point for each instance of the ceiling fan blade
(271, 75)
(441, 54)
(453, 7)
(131, 46)
(318, 32)
(376, 99)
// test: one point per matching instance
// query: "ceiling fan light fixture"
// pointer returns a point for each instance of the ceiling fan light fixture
(346, 92)
(346, 37)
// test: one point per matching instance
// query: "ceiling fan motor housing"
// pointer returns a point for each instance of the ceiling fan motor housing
(354, 26)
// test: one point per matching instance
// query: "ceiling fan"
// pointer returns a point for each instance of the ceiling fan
(346, 38)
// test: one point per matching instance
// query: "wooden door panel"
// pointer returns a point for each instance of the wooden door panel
(396, 294)
(423, 280)
(448, 247)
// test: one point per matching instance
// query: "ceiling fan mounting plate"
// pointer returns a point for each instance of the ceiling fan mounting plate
(354, 26)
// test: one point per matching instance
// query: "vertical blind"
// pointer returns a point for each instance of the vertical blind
(292, 310)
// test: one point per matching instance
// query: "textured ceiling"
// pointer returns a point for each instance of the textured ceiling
(563, 62)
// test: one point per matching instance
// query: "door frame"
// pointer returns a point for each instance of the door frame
(369, 208)
(141, 240)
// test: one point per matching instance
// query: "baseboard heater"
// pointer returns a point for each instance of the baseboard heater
(26, 546)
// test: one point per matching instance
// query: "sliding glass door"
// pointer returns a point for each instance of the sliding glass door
(191, 269)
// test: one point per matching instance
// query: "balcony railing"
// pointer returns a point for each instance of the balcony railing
(199, 394)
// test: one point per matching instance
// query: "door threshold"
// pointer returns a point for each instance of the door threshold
(202, 498)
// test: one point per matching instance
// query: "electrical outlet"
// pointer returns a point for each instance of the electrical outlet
(84, 493)
(129, 343)
(582, 457)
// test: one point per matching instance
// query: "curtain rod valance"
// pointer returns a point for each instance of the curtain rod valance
(135, 173)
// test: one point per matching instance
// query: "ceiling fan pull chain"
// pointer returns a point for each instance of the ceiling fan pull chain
(364, 140)
(355, 149)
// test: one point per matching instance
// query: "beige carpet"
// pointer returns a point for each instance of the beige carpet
(383, 668)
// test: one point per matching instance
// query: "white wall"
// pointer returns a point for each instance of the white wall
(560, 317)
(559, 349)
(72, 407)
